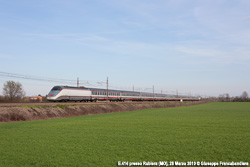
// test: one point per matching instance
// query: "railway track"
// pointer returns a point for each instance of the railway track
(69, 103)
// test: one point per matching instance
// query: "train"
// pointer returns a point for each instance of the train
(83, 94)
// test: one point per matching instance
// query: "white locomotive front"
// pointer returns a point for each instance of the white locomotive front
(65, 93)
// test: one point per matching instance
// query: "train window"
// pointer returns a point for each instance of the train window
(57, 88)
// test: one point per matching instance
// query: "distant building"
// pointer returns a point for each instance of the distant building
(38, 98)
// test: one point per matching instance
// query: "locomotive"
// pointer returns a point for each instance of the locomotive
(83, 94)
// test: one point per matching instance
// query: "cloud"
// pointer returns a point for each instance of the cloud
(247, 18)
(133, 23)
(4, 56)
(72, 36)
(215, 56)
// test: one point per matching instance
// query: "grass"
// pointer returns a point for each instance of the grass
(208, 132)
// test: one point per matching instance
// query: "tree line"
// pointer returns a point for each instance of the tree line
(226, 98)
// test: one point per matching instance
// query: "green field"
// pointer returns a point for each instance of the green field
(208, 132)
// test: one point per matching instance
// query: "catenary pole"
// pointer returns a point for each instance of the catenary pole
(107, 87)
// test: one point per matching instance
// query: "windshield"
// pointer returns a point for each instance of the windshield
(54, 91)
(56, 88)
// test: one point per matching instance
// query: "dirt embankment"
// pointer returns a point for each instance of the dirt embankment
(27, 113)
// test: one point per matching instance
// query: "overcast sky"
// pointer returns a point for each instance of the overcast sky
(193, 46)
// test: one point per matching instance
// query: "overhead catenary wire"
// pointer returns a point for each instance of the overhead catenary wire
(35, 78)
(46, 79)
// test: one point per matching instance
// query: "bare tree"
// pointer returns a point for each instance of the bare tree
(13, 91)
(244, 95)
(224, 97)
